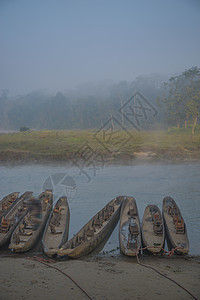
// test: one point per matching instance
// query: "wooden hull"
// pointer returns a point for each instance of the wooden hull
(24, 241)
(129, 228)
(15, 214)
(176, 240)
(57, 228)
(76, 247)
(7, 202)
(153, 236)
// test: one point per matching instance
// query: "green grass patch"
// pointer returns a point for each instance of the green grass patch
(64, 144)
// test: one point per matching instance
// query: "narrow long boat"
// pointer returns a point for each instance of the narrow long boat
(57, 228)
(7, 202)
(29, 229)
(153, 236)
(129, 228)
(175, 227)
(12, 217)
(94, 232)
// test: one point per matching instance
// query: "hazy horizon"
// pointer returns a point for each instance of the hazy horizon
(57, 45)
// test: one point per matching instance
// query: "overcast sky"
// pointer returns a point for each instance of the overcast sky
(56, 44)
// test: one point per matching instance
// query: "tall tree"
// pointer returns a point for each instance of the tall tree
(182, 98)
(192, 95)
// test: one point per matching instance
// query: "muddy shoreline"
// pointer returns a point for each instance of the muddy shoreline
(109, 275)
(101, 276)
(72, 161)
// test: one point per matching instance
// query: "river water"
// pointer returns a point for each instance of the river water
(88, 190)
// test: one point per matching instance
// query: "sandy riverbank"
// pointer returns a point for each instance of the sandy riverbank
(102, 277)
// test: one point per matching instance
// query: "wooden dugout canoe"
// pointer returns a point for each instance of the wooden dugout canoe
(129, 228)
(12, 217)
(175, 227)
(7, 202)
(94, 232)
(153, 236)
(57, 228)
(26, 233)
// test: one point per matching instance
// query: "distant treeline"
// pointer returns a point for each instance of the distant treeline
(91, 105)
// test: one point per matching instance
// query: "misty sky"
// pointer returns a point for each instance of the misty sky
(56, 44)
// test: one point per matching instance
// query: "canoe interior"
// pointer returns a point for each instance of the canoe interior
(12, 217)
(7, 202)
(94, 232)
(129, 228)
(153, 235)
(175, 227)
(57, 227)
(28, 230)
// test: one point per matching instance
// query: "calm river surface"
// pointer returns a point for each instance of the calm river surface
(90, 190)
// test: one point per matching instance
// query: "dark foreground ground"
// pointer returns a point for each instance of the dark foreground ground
(101, 276)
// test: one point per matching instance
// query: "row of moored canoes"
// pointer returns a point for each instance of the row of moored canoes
(154, 228)
(23, 219)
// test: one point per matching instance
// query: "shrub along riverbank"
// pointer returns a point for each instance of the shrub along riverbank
(113, 146)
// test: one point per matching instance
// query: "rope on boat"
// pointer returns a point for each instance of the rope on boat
(150, 267)
(46, 261)
(170, 253)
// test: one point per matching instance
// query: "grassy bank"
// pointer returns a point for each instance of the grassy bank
(120, 145)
